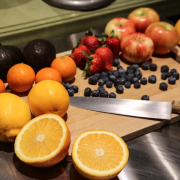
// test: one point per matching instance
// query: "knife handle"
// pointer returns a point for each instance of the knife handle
(176, 106)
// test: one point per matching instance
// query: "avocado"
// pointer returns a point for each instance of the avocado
(9, 56)
(39, 53)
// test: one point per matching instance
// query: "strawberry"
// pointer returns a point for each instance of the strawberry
(78, 56)
(90, 41)
(112, 42)
(107, 56)
(94, 64)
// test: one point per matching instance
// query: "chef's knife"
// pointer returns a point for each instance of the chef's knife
(138, 108)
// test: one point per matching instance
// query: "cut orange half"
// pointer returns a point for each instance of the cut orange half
(44, 141)
(99, 154)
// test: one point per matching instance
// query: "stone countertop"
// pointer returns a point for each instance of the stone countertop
(25, 20)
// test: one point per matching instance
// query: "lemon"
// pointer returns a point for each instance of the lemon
(14, 114)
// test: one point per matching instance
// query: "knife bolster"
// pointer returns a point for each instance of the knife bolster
(176, 106)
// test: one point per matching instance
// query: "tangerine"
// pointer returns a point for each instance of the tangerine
(66, 66)
(2, 86)
(48, 73)
(20, 77)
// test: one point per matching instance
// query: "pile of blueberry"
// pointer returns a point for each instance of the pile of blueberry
(71, 89)
(124, 78)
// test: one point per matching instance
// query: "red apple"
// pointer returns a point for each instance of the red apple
(137, 47)
(143, 17)
(164, 36)
(121, 27)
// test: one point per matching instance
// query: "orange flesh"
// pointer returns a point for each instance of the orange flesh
(42, 138)
(99, 152)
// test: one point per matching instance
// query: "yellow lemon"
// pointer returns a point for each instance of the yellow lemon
(14, 114)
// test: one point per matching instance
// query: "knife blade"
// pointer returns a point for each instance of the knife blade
(129, 107)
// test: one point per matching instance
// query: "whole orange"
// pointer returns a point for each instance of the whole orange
(48, 96)
(2, 86)
(20, 77)
(177, 26)
(66, 66)
(48, 73)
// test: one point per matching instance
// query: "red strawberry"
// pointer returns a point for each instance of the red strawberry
(107, 56)
(112, 42)
(94, 64)
(91, 42)
(78, 56)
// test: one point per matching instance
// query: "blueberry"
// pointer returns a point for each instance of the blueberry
(116, 62)
(138, 74)
(130, 70)
(145, 97)
(93, 80)
(118, 82)
(145, 66)
(105, 78)
(119, 67)
(153, 67)
(87, 91)
(173, 71)
(64, 84)
(135, 79)
(164, 68)
(163, 86)
(171, 80)
(152, 79)
(122, 80)
(70, 92)
(98, 75)
(137, 85)
(75, 88)
(116, 74)
(127, 84)
(104, 94)
(143, 81)
(176, 75)
(109, 84)
(104, 74)
(68, 86)
(101, 88)
(95, 93)
(168, 74)
(119, 89)
(164, 76)
(112, 95)
(135, 67)
(112, 78)
(121, 72)
(129, 77)
(109, 73)
(101, 82)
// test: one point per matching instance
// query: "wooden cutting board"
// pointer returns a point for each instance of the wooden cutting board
(80, 120)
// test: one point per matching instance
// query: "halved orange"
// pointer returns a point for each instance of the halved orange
(99, 154)
(44, 141)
